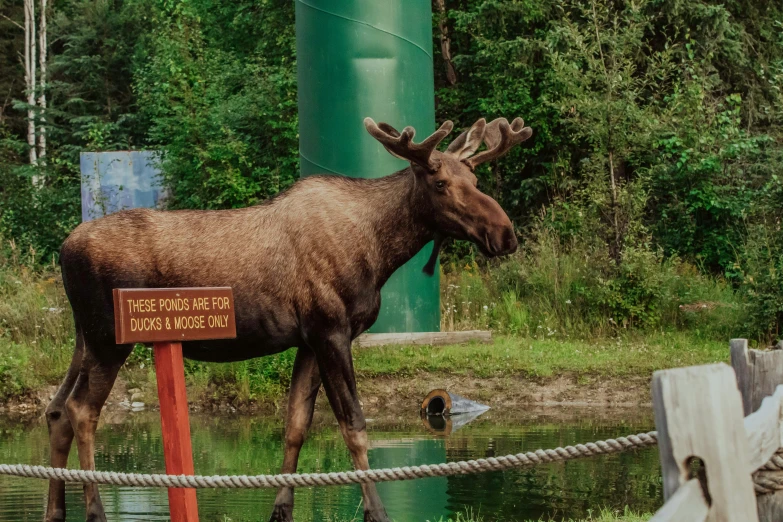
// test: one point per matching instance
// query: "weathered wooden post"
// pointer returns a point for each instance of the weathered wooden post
(166, 317)
(759, 373)
(698, 414)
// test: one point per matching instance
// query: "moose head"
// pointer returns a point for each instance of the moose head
(446, 185)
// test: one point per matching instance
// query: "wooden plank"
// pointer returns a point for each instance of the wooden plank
(423, 338)
(686, 505)
(698, 413)
(770, 507)
(759, 375)
(744, 371)
(764, 431)
(175, 424)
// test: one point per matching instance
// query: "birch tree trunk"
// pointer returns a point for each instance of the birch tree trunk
(42, 44)
(30, 75)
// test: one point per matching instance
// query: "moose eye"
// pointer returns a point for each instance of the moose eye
(440, 184)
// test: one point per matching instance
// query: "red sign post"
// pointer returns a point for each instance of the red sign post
(165, 317)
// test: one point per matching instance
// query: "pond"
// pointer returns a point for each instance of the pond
(253, 445)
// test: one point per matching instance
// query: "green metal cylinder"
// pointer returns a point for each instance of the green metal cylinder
(359, 58)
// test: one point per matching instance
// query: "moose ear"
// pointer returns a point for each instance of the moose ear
(468, 142)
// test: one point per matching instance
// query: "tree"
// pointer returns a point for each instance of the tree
(42, 53)
(30, 79)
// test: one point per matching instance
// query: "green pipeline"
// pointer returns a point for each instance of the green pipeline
(359, 58)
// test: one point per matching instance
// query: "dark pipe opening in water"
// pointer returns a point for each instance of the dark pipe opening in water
(436, 406)
(444, 412)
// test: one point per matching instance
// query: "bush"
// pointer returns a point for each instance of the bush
(761, 264)
(573, 289)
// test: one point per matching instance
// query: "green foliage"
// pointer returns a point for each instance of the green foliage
(38, 219)
(94, 107)
(762, 263)
(224, 111)
(90, 108)
(657, 129)
(657, 135)
(708, 180)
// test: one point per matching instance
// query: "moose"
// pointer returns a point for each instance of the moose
(306, 268)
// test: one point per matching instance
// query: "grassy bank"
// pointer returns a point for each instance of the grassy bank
(543, 358)
(405, 369)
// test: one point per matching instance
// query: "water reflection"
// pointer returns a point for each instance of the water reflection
(445, 425)
(245, 445)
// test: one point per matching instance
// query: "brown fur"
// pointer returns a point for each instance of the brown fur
(306, 269)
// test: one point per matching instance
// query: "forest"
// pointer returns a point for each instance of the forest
(650, 195)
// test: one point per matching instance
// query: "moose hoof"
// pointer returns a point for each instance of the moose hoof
(96, 515)
(58, 515)
(378, 515)
(282, 513)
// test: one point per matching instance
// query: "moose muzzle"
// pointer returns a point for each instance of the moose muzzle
(506, 243)
(496, 235)
(500, 241)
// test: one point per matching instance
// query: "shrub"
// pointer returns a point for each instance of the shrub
(572, 288)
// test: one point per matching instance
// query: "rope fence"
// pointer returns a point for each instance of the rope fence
(764, 482)
(520, 460)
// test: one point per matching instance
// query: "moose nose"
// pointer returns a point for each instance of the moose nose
(510, 242)
(502, 242)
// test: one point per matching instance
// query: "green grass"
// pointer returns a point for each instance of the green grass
(36, 328)
(632, 355)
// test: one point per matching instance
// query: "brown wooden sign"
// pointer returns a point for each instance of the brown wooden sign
(145, 315)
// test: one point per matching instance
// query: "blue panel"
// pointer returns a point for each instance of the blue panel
(113, 181)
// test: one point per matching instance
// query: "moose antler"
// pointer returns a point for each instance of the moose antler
(499, 137)
(401, 144)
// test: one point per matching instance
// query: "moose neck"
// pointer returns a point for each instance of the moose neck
(395, 215)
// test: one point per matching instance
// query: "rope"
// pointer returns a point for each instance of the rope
(768, 479)
(766, 482)
(775, 463)
(520, 460)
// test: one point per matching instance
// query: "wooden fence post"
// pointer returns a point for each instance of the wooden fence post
(698, 413)
(175, 425)
(759, 373)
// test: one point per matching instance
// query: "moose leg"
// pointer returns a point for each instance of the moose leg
(305, 382)
(84, 405)
(61, 434)
(336, 365)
